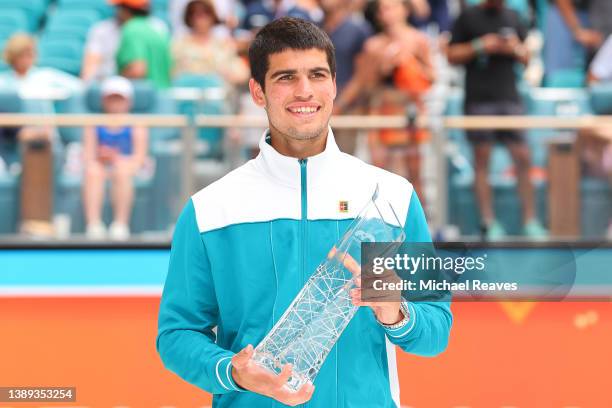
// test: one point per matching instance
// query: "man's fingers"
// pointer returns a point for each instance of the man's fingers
(294, 398)
(284, 375)
(242, 357)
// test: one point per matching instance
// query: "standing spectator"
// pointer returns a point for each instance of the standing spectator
(574, 30)
(116, 153)
(144, 50)
(488, 39)
(200, 52)
(102, 43)
(394, 71)
(38, 87)
(348, 34)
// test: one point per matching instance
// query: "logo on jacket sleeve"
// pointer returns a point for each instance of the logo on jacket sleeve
(343, 206)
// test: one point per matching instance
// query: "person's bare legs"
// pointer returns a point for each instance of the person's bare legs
(93, 192)
(122, 191)
(522, 162)
(482, 155)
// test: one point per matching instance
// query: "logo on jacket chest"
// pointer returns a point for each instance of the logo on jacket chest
(343, 206)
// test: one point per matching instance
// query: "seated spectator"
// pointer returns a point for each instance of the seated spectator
(144, 50)
(200, 52)
(394, 71)
(102, 44)
(488, 40)
(226, 11)
(38, 87)
(115, 153)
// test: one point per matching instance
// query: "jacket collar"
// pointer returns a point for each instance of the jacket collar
(287, 170)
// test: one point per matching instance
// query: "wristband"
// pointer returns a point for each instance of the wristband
(478, 46)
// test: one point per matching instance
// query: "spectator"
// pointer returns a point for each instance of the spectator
(578, 28)
(226, 11)
(601, 67)
(488, 39)
(348, 34)
(102, 44)
(144, 51)
(115, 153)
(393, 71)
(199, 52)
(38, 87)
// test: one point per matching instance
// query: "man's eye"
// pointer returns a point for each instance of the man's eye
(286, 78)
(318, 75)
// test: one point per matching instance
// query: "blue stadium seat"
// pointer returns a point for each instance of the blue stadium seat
(61, 53)
(12, 21)
(212, 137)
(71, 23)
(33, 10)
(9, 182)
(104, 9)
(601, 98)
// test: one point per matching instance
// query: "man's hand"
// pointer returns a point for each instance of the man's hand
(107, 154)
(492, 43)
(591, 39)
(384, 304)
(250, 376)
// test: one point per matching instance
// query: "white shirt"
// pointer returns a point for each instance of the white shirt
(601, 67)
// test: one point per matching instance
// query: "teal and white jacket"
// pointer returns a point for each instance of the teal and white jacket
(245, 246)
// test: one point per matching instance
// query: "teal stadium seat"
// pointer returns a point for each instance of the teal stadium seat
(64, 54)
(601, 98)
(71, 24)
(69, 186)
(212, 137)
(9, 183)
(103, 8)
(12, 21)
(34, 10)
(462, 206)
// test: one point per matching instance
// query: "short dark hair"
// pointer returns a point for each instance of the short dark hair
(287, 33)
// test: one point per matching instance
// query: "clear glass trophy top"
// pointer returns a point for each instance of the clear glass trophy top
(313, 322)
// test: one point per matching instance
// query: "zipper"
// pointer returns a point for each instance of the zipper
(303, 226)
(304, 218)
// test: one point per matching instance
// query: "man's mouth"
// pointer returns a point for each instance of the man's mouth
(304, 110)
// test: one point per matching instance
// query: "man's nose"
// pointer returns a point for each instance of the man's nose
(303, 88)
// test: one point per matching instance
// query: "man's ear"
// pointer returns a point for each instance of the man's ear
(257, 93)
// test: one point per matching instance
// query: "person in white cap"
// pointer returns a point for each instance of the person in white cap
(114, 153)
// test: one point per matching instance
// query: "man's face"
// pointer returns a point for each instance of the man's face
(115, 104)
(299, 93)
(331, 5)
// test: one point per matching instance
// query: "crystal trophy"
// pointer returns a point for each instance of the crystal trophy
(315, 319)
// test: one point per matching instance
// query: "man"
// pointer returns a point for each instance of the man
(144, 49)
(488, 40)
(102, 43)
(348, 34)
(245, 245)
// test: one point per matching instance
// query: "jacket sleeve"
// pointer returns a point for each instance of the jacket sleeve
(188, 313)
(427, 330)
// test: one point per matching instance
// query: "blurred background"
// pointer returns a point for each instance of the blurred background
(113, 113)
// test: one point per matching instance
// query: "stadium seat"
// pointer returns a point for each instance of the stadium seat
(12, 21)
(71, 23)
(103, 8)
(9, 182)
(601, 98)
(61, 53)
(211, 137)
(34, 10)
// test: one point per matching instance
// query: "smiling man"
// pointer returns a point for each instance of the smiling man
(245, 245)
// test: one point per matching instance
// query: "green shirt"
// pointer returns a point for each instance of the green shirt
(140, 41)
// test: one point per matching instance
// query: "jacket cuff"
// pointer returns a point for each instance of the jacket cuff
(405, 329)
(223, 371)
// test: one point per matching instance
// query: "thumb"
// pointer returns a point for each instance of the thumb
(242, 358)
